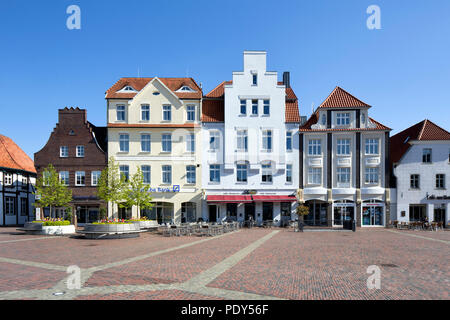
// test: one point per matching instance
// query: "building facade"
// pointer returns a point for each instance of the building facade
(250, 146)
(17, 180)
(421, 166)
(344, 164)
(154, 124)
(77, 150)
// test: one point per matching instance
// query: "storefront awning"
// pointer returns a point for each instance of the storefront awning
(229, 199)
(274, 198)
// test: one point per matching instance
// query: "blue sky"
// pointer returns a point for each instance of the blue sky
(402, 70)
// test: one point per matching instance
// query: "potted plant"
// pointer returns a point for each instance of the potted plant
(302, 211)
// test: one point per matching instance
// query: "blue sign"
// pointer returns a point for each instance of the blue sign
(174, 188)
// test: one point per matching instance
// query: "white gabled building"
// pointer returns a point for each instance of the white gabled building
(421, 161)
(250, 146)
(344, 164)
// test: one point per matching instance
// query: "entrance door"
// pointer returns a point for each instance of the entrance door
(93, 215)
(372, 216)
(439, 215)
(267, 211)
(249, 211)
(343, 213)
(212, 213)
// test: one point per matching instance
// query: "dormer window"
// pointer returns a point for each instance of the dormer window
(343, 119)
(324, 119)
(185, 89)
(127, 89)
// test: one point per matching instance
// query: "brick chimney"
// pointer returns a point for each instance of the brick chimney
(286, 79)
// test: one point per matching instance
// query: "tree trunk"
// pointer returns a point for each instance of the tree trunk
(139, 211)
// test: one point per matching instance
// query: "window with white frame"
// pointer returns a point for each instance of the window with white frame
(440, 181)
(343, 175)
(243, 107)
(190, 143)
(167, 174)
(254, 107)
(266, 172)
(145, 142)
(267, 140)
(124, 142)
(8, 177)
(64, 151)
(146, 174)
(414, 181)
(9, 206)
(145, 112)
(315, 176)
(342, 118)
(95, 177)
(343, 147)
(80, 151)
(120, 113)
(167, 113)
(289, 141)
(124, 172)
(190, 174)
(372, 175)
(241, 172)
(80, 178)
(242, 140)
(214, 173)
(190, 113)
(289, 173)
(266, 107)
(214, 140)
(64, 177)
(167, 142)
(426, 157)
(314, 147)
(372, 146)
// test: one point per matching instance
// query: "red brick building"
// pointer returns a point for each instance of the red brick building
(77, 150)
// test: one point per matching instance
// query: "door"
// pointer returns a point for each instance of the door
(267, 211)
(343, 213)
(372, 216)
(93, 215)
(250, 211)
(212, 213)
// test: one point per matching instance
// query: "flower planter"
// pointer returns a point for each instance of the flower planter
(111, 231)
(39, 228)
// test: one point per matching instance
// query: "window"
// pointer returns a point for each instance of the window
(315, 176)
(343, 175)
(214, 173)
(9, 206)
(167, 174)
(46, 178)
(167, 142)
(64, 151)
(267, 140)
(190, 174)
(190, 143)
(289, 173)
(266, 170)
(324, 119)
(80, 151)
(124, 172)
(242, 140)
(214, 140)
(266, 107)
(343, 147)
(243, 107)
(145, 112)
(145, 142)
(167, 113)
(254, 79)
(440, 181)
(289, 141)
(80, 178)
(190, 113)
(8, 179)
(64, 177)
(314, 147)
(24, 182)
(415, 181)
(146, 174)
(23, 207)
(417, 213)
(343, 119)
(372, 146)
(95, 176)
(372, 175)
(426, 157)
(120, 113)
(254, 107)
(241, 172)
(124, 142)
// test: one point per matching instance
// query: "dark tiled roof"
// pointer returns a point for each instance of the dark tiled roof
(11, 156)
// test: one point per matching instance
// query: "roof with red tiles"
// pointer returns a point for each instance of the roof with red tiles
(339, 98)
(12, 157)
(422, 131)
(215, 110)
(139, 83)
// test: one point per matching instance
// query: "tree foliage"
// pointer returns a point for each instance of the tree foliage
(110, 183)
(136, 193)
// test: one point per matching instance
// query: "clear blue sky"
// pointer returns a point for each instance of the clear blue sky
(402, 70)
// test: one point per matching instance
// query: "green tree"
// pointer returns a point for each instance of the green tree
(111, 183)
(51, 192)
(137, 193)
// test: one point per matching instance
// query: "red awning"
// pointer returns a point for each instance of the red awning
(274, 198)
(229, 199)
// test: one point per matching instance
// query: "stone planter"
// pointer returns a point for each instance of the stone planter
(39, 228)
(111, 231)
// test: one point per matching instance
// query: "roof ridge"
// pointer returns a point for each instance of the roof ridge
(422, 129)
(217, 87)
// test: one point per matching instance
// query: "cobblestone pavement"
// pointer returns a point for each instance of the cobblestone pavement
(248, 264)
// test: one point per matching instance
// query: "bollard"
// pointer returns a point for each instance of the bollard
(354, 225)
